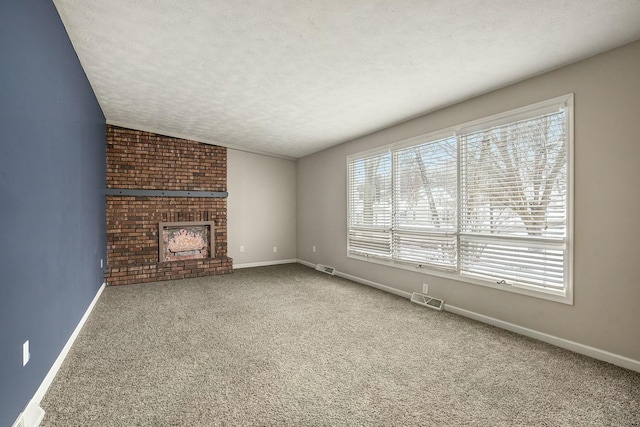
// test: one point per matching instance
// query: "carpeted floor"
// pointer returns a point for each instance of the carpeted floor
(288, 346)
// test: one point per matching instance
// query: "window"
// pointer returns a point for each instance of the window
(487, 202)
(370, 210)
(425, 190)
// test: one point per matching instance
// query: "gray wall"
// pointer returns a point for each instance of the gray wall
(52, 181)
(261, 208)
(605, 313)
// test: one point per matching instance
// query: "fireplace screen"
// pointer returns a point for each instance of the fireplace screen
(184, 240)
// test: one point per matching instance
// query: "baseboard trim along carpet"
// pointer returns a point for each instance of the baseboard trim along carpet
(605, 356)
(265, 263)
(389, 289)
(33, 405)
(307, 263)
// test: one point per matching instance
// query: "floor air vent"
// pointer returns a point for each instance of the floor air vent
(427, 301)
(326, 269)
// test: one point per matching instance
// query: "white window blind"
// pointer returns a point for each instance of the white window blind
(425, 190)
(369, 205)
(514, 192)
(489, 202)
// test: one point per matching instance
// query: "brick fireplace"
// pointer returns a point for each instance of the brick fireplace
(166, 208)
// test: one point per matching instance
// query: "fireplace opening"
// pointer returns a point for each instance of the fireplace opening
(185, 240)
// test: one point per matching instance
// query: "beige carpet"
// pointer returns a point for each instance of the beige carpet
(286, 345)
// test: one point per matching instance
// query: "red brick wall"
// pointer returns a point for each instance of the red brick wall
(144, 160)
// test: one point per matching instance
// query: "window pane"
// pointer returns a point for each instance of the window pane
(514, 261)
(425, 184)
(369, 216)
(438, 250)
(368, 242)
(515, 179)
(514, 188)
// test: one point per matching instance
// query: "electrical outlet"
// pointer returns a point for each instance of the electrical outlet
(241, 248)
(425, 289)
(275, 249)
(25, 353)
(314, 248)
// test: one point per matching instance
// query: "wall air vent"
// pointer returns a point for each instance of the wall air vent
(19, 422)
(31, 417)
(326, 269)
(427, 301)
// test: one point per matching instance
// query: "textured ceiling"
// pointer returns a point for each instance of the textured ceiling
(291, 78)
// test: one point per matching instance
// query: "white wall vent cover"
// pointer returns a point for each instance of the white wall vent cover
(20, 421)
(427, 301)
(31, 417)
(326, 269)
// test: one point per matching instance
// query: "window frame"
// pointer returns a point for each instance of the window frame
(565, 102)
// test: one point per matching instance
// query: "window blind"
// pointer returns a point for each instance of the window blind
(513, 204)
(369, 205)
(425, 205)
(487, 202)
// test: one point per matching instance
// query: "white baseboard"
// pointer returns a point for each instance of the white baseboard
(605, 356)
(48, 379)
(376, 285)
(362, 281)
(265, 263)
(614, 359)
(307, 263)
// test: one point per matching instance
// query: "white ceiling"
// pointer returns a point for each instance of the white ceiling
(290, 77)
